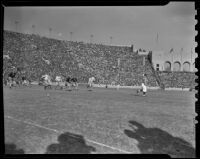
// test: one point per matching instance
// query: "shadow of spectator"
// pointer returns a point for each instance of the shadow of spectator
(157, 141)
(12, 149)
(70, 144)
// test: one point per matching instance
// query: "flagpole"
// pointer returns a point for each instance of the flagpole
(156, 46)
(191, 61)
(181, 59)
(157, 39)
(171, 51)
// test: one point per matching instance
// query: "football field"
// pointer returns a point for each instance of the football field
(99, 121)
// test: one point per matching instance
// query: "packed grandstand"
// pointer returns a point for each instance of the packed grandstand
(35, 56)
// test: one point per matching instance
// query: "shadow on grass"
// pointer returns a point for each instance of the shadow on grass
(138, 95)
(69, 90)
(12, 149)
(70, 144)
(157, 141)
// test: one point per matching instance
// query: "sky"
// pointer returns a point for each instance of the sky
(146, 27)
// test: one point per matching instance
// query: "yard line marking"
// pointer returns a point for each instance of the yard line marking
(101, 144)
(40, 126)
(33, 124)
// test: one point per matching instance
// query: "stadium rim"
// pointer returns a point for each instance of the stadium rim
(91, 141)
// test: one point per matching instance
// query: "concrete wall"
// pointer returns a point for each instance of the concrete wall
(158, 60)
(173, 61)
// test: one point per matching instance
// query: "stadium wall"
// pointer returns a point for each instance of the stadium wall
(172, 62)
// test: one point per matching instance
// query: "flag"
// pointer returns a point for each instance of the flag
(171, 50)
(157, 38)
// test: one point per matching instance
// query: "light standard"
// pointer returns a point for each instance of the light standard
(16, 25)
(71, 34)
(91, 38)
(33, 27)
(111, 39)
(50, 30)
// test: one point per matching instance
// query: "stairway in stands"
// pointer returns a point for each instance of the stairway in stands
(156, 75)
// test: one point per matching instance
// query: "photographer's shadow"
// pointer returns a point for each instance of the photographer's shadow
(11, 148)
(157, 141)
(70, 143)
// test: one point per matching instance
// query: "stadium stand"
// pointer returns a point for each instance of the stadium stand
(178, 79)
(37, 55)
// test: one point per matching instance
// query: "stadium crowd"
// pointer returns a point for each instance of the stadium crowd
(178, 79)
(36, 56)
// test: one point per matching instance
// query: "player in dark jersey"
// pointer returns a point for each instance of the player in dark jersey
(74, 82)
(23, 78)
(11, 77)
(25, 81)
(12, 74)
(68, 82)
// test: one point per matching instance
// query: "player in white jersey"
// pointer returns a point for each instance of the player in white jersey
(91, 82)
(58, 80)
(143, 89)
(47, 81)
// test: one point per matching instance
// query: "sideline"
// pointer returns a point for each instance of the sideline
(130, 87)
(40, 126)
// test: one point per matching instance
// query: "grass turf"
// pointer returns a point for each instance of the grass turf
(101, 115)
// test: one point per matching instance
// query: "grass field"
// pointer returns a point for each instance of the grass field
(106, 120)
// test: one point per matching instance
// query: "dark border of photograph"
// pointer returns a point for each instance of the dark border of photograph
(92, 3)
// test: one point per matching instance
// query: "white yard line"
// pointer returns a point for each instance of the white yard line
(57, 131)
